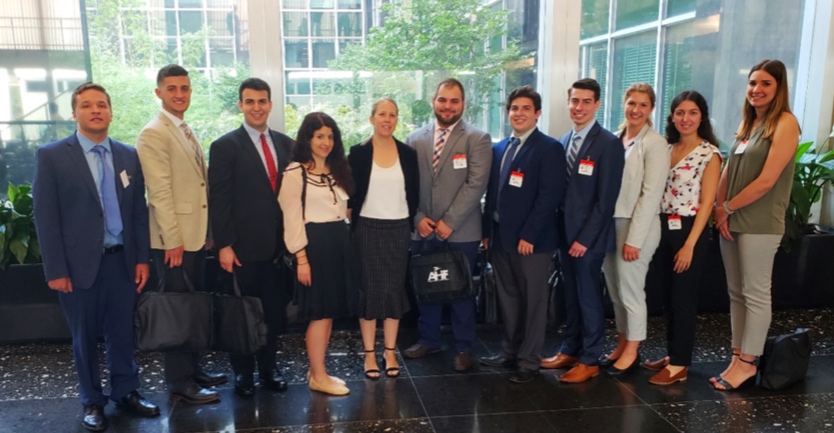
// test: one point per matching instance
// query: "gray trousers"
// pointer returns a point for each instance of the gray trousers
(523, 295)
(626, 281)
(748, 261)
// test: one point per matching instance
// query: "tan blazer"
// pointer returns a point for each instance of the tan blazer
(177, 188)
(644, 179)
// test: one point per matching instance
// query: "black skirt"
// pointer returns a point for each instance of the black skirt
(333, 293)
(382, 252)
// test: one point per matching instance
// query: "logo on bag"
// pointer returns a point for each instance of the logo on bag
(438, 275)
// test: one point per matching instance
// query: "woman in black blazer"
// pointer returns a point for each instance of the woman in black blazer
(382, 218)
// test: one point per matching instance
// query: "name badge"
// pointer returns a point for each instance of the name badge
(675, 222)
(459, 161)
(586, 167)
(125, 178)
(741, 147)
(341, 193)
(516, 178)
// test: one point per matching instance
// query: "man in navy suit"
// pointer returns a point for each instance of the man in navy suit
(92, 224)
(247, 223)
(526, 187)
(595, 160)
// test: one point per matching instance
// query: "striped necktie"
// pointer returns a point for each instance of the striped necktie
(573, 152)
(195, 147)
(438, 147)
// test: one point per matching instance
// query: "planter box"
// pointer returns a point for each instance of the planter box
(30, 310)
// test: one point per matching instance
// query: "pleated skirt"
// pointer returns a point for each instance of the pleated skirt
(333, 293)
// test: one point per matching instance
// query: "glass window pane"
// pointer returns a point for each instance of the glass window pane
(295, 84)
(294, 4)
(191, 3)
(323, 52)
(221, 23)
(191, 21)
(634, 57)
(594, 18)
(343, 43)
(321, 24)
(350, 4)
(677, 58)
(635, 12)
(675, 7)
(596, 67)
(222, 52)
(295, 54)
(295, 24)
(350, 24)
(321, 4)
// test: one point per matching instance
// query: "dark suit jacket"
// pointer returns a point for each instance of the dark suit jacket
(68, 213)
(243, 209)
(588, 212)
(527, 212)
(361, 160)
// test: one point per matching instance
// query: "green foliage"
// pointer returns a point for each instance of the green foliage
(811, 172)
(18, 239)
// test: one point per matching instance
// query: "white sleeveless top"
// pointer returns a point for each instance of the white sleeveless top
(386, 194)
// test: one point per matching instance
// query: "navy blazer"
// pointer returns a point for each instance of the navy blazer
(587, 216)
(527, 212)
(68, 213)
(243, 208)
(361, 160)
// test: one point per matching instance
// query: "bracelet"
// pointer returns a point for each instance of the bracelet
(727, 208)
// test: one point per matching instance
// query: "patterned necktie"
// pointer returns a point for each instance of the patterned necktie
(110, 202)
(195, 147)
(438, 147)
(508, 159)
(573, 151)
(270, 164)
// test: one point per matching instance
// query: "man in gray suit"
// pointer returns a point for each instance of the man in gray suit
(454, 159)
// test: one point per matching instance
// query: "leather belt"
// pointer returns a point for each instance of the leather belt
(112, 250)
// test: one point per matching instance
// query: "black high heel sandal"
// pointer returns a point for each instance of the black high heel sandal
(747, 382)
(392, 372)
(372, 373)
(713, 380)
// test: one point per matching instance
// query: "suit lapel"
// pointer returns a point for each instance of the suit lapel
(449, 147)
(118, 166)
(250, 152)
(281, 151)
(185, 146)
(531, 141)
(76, 154)
(428, 136)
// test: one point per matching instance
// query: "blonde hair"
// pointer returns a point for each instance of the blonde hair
(642, 88)
(779, 105)
(380, 101)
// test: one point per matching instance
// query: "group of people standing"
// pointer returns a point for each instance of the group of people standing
(599, 200)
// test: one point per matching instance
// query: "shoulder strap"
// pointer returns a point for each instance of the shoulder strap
(303, 192)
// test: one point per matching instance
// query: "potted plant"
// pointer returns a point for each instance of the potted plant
(18, 239)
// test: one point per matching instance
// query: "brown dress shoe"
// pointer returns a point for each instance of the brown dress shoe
(418, 351)
(463, 362)
(560, 360)
(666, 378)
(656, 365)
(580, 373)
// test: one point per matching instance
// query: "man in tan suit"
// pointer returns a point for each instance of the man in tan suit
(175, 174)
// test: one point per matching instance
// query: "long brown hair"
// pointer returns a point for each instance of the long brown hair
(336, 160)
(779, 105)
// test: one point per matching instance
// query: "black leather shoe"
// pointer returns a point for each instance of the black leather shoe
(463, 362)
(193, 394)
(523, 375)
(207, 380)
(500, 361)
(134, 403)
(245, 385)
(94, 419)
(614, 371)
(604, 361)
(273, 380)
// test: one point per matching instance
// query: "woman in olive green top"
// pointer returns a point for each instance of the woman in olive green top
(753, 194)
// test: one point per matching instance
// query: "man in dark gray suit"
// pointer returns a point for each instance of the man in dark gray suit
(454, 159)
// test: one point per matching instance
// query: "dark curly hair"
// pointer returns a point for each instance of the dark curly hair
(704, 129)
(336, 160)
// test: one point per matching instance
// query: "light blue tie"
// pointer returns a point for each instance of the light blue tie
(110, 202)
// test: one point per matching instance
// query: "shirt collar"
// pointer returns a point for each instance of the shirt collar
(523, 137)
(584, 131)
(437, 128)
(88, 144)
(255, 135)
(177, 121)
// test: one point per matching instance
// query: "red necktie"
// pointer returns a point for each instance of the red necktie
(270, 164)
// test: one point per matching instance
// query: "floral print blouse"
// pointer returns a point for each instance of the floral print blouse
(683, 185)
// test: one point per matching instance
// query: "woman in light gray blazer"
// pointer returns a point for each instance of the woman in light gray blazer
(637, 226)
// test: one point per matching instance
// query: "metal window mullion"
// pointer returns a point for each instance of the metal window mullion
(659, 63)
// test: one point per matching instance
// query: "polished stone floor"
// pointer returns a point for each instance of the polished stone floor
(37, 392)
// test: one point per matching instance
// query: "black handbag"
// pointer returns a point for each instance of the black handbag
(174, 321)
(441, 276)
(785, 360)
(239, 322)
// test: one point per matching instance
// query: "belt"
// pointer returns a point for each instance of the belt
(112, 250)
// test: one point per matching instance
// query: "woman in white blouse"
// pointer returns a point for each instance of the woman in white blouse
(685, 210)
(313, 196)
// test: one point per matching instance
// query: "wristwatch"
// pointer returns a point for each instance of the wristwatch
(727, 208)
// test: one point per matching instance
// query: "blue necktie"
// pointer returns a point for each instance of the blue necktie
(573, 152)
(504, 174)
(110, 202)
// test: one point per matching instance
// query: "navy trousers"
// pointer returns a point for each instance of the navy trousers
(463, 312)
(584, 314)
(106, 308)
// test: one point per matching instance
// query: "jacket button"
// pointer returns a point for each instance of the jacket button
(204, 206)
(203, 184)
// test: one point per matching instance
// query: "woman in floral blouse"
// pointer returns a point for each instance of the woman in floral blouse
(685, 210)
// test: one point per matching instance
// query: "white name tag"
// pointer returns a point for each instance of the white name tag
(741, 147)
(516, 179)
(125, 178)
(459, 161)
(586, 167)
(675, 222)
